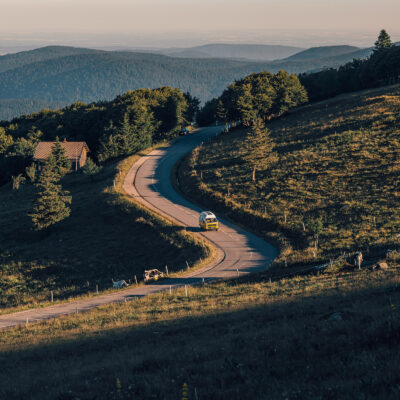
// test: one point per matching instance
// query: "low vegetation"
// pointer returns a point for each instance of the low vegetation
(333, 189)
(332, 335)
(106, 237)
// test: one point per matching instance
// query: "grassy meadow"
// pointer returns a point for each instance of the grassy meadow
(338, 162)
(328, 336)
(106, 237)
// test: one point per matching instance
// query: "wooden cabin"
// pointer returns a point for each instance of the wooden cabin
(76, 152)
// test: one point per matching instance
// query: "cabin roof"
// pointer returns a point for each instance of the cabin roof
(73, 150)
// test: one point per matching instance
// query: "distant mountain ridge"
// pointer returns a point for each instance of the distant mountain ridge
(252, 52)
(322, 52)
(56, 75)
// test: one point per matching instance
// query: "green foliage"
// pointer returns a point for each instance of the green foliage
(123, 126)
(383, 41)
(52, 202)
(91, 168)
(59, 162)
(5, 141)
(133, 134)
(381, 68)
(193, 107)
(263, 95)
(25, 146)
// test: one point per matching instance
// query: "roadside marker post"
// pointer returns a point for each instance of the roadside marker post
(237, 270)
(186, 291)
(97, 289)
(166, 270)
(136, 280)
(170, 290)
(52, 297)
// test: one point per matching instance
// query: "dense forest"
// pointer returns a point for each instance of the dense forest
(120, 127)
(381, 68)
(263, 95)
(64, 75)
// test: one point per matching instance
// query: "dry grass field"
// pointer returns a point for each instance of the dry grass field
(106, 237)
(329, 336)
(339, 163)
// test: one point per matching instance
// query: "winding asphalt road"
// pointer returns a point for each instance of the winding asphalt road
(149, 181)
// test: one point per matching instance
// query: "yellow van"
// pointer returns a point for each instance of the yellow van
(208, 221)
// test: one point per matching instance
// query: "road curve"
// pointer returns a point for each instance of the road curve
(149, 182)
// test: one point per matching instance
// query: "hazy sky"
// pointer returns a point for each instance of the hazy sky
(154, 21)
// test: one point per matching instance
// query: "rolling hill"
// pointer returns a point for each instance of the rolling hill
(59, 75)
(322, 52)
(337, 163)
(249, 52)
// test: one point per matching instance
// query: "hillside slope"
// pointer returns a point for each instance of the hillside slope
(322, 52)
(105, 238)
(16, 60)
(57, 75)
(338, 163)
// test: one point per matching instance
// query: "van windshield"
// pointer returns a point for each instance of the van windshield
(211, 219)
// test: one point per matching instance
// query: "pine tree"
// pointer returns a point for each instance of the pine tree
(91, 168)
(384, 41)
(52, 202)
(62, 165)
(259, 148)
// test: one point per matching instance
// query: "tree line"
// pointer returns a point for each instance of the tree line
(260, 95)
(380, 69)
(112, 129)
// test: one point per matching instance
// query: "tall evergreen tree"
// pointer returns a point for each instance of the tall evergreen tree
(259, 148)
(52, 202)
(193, 107)
(61, 164)
(384, 41)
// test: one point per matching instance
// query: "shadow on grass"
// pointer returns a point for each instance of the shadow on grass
(290, 346)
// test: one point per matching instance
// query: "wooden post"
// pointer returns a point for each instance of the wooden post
(166, 270)
(136, 280)
(187, 265)
(27, 320)
(186, 291)
(237, 270)
(52, 297)
(170, 290)
(97, 289)
(203, 281)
